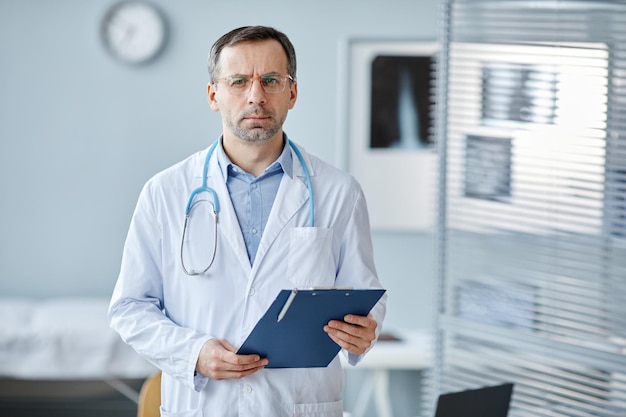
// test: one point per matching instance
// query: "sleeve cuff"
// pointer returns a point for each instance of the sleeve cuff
(199, 381)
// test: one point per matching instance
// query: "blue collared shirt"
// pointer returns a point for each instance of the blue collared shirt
(252, 198)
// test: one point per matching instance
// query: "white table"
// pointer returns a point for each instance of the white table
(412, 352)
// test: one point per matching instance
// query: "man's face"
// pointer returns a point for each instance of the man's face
(256, 115)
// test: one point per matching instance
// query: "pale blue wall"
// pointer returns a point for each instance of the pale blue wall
(80, 132)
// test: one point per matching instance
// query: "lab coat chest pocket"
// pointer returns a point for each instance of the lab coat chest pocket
(310, 260)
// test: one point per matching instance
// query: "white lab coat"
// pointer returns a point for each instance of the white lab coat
(166, 316)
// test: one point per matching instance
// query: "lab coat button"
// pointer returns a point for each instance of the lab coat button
(251, 292)
(247, 389)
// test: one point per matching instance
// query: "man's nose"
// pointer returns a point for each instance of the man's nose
(257, 94)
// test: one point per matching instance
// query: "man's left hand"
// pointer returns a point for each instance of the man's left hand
(355, 334)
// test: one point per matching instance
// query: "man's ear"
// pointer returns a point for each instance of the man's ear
(293, 94)
(211, 96)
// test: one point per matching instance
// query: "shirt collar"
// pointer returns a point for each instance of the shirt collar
(284, 161)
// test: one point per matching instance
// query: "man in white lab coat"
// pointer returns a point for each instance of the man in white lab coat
(190, 326)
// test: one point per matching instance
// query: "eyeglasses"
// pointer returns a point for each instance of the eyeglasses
(241, 84)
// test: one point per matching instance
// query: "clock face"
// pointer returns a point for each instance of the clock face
(133, 31)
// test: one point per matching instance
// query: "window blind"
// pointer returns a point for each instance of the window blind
(532, 233)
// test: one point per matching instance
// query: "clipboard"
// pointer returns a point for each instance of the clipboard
(298, 339)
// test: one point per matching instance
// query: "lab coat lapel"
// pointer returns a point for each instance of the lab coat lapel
(292, 195)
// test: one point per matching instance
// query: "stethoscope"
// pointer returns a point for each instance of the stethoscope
(204, 188)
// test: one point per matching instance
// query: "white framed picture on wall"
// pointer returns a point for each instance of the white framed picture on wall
(387, 90)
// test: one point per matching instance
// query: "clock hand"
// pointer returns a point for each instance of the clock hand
(129, 34)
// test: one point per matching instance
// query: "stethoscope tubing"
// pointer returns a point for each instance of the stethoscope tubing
(204, 187)
(307, 180)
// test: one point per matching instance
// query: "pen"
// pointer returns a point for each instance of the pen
(283, 311)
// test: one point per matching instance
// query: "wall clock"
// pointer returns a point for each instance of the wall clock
(133, 31)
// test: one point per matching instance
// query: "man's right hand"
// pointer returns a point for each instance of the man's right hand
(218, 360)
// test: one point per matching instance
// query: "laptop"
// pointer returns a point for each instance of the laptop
(490, 401)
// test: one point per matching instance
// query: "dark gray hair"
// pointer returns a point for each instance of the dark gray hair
(246, 34)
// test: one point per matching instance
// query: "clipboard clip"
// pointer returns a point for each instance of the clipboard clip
(331, 288)
(285, 308)
(293, 294)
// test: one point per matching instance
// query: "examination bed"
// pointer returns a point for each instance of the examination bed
(60, 340)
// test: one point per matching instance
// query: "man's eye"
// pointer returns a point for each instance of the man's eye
(238, 82)
(271, 80)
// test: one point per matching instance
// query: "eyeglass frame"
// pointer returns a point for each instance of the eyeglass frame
(287, 77)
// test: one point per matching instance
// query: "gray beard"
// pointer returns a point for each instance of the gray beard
(255, 134)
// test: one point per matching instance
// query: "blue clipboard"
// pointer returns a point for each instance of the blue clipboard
(298, 339)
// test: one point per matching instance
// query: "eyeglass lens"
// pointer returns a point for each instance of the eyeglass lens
(271, 83)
